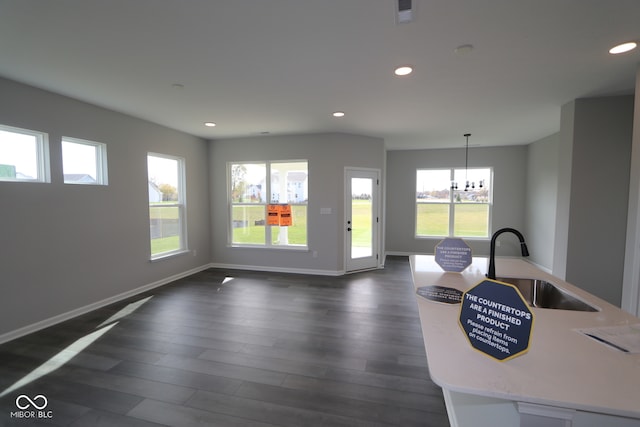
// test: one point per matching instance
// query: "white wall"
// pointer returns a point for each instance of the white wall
(328, 155)
(542, 194)
(509, 187)
(68, 247)
(631, 283)
(65, 247)
(595, 152)
(563, 199)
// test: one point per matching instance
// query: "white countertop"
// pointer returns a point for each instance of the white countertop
(562, 367)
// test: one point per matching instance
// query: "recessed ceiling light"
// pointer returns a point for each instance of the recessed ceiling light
(622, 48)
(403, 71)
(338, 114)
(209, 124)
(177, 86)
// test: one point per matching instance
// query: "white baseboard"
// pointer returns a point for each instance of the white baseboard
(398, 253)
(278, 269)
(34, 327)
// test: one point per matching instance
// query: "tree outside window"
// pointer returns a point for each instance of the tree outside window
(254, 186)
(167, 206)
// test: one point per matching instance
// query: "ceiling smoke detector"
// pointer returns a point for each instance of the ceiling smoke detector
(463, 49)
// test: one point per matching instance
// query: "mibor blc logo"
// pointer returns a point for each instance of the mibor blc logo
(32, 407)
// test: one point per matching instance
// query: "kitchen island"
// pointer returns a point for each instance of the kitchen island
(564, 379)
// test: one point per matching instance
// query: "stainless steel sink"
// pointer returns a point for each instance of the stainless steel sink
(542, 294)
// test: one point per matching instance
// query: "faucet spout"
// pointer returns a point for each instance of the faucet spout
(492, 255)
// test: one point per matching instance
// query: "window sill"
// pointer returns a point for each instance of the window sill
(277, 248)
(88, 184)
(32, 181)
(167, 255)
(451, 237)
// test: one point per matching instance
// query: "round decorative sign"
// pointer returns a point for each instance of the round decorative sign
(496, 319)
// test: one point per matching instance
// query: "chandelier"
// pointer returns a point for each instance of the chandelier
(468, 185)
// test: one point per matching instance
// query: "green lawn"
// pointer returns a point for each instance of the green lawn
(247, 232)
(165, 244)
(471, 220)
(432, 220)
(158, 211)
(361, 234)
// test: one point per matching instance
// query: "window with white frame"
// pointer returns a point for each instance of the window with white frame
(167, 207)
(253, 187)
(453, 202)
(84, 162)
(24, 155)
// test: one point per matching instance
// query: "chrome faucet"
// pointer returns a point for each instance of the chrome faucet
(492, 256)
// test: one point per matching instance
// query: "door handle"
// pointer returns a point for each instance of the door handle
(348, 228)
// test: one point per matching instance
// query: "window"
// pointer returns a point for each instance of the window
(84, 162)
(443, 211)
(254, 186)
(24, 155)
(166, 205)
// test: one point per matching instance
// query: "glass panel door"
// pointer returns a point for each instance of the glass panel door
(362, 219)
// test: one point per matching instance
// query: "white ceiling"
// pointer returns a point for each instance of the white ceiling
(283, 66)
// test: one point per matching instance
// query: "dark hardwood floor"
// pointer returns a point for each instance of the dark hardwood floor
(256, 349)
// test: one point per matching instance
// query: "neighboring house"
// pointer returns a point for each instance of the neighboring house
(155, 195)
(78, 178)
(296, 187)
(7, 171)
(254, 192)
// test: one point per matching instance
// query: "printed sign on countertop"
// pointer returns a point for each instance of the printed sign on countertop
(440, 294)
(453, 255)
(496, 319)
